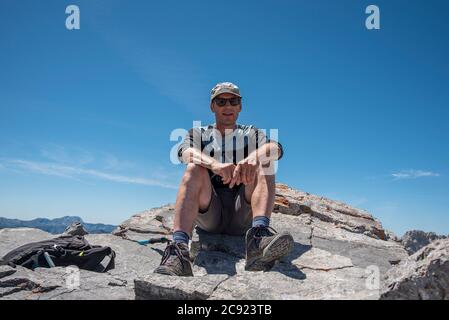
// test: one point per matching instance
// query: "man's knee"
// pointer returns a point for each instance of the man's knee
(265, 182)
(196, 179)
(261, 177)
(193, 172)
(193, 168)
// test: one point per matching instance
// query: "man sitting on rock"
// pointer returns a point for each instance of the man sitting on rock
(227, 187)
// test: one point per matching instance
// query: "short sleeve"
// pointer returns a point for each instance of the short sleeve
(281, 148)
(191, 140)
(258, 138)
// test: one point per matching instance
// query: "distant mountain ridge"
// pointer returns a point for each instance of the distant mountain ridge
(55, 226)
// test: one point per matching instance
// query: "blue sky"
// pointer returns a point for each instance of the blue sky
(86, 115)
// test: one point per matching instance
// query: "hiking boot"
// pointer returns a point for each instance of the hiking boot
(264, 247)
(175, 261)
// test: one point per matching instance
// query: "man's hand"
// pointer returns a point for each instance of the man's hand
(245, 172)
(224, 170)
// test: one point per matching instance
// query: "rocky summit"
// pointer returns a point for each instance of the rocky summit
(416, 239)
(340, 252)
(422, 276)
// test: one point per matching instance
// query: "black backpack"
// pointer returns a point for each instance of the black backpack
(61, 252)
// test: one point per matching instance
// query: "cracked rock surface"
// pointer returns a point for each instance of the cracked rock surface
(422, 276)
(339, 253)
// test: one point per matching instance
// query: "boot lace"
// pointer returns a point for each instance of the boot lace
(173, 248)
(262, 231)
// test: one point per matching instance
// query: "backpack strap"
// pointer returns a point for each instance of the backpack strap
(93, 258)
(111, 263)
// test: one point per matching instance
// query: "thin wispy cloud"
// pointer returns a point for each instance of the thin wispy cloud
(79, 157)
(111, 162)
(67, 155)
(413, 174)
(72, 172)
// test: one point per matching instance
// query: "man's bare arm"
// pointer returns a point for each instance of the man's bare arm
(270, 151)
(224, 170)
(193, 155)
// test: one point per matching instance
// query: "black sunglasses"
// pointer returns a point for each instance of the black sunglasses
(221, 102)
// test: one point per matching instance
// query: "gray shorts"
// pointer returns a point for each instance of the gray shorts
(228, 212)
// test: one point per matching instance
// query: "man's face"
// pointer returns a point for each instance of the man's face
(227, 114)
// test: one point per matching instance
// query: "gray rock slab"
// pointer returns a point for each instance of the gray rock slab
(423, 276)
(160, 287)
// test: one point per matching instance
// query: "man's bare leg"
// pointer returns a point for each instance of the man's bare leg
(194, 194)
(263, 247)
(261, 195)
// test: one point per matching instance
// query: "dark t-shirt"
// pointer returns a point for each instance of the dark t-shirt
(232, 148)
